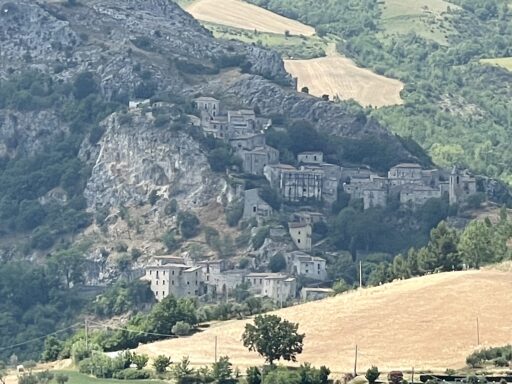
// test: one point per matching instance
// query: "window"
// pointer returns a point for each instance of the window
(150, 272)
(163, 294)
(172, 282)
(261, 281)
(163, 273)
(298, 241)
(156, 282)
(163, 282)
(254, 209)
(188, 282)
(157, 274)
(173, 273)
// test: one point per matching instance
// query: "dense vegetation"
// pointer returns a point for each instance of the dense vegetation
(27, 177)
(454, 107)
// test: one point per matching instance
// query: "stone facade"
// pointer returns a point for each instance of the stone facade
(254, 206)
(301, 235)
(461, 185)
(303, 264)
(177, 279)
(310, 294)
(276, 286)
(405, 173)
(310, 157)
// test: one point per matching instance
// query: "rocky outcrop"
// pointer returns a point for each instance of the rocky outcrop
(135, 158)
(22, 134)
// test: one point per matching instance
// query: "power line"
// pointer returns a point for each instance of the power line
(38, 338)
(131, 330)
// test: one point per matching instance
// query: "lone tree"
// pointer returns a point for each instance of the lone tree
(273, 338)
(372, 374)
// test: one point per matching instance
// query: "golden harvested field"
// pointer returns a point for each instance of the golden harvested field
(337, 75)
(427, 322)
(239, 14)
(505, 62)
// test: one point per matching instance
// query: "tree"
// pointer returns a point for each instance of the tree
(475, 244)
(69, 263)
(189, 224)
(372, 374)
(221, 370)
(304, 90)
(140, 360)
(253, 375)
(273, 338)
(340, 286)
(277, 263)
(161, 363)
(181, 328)
(52, 349)
(84, 85)
(182, 368)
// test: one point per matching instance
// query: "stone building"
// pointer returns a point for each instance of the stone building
(315, 157)
(255, 206)
(210, 105)
(254, 152)
(415, 195)
(461, 185)
(301, 235)
(295, 184)
(276, 286)
(310, 294)
(302, 264)
(405, 173)
(170, 276)
(374, 196)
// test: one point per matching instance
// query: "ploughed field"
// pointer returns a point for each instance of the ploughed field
(335, 75)
(426, 323)
(239, 14)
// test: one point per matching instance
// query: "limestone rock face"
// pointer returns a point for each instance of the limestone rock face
(135, 158)
(26, 133)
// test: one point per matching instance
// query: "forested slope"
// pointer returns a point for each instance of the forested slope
(457, 108)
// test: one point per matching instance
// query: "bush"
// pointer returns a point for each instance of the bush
(372, 374)
(473, 360)
(140, 360)
(131, 374)
(501, 362)
(188, 224)
(259, 238)
(181, 328)
(161, 363)
(277, 263)
(234, 213)
(60, 378)
(253, 375)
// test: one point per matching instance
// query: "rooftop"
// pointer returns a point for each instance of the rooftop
(297, 225)
(407, 165)
(206, 98)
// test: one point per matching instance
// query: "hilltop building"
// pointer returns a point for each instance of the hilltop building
(301, 235)
(302, 264)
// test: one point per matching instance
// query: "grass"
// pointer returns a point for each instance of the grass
(426, 18)
(504, 62)
(80, 378)
(296, 47)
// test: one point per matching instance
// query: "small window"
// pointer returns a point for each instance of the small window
(188, 282)
(254, 209)
(163, 294)
(298, 241)
(261, 281)
(172, 282)
(163, 282)
(173, 273)
(156, 282)
(163, 273)
(150, 272)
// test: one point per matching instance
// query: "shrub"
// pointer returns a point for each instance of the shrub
(131, 374)
(473, 360)
(234, 213)
(501, 362)
(161, 363)
(253, 375)
(372, 374)
(277, 263)
(259, 238)
(140, 360)
(188, 224)
(60, 378)
(181, 328)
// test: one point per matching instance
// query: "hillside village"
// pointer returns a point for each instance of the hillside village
(313, 181)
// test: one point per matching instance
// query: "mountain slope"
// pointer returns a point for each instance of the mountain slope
(426, 323)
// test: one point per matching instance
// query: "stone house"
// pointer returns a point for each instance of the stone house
(210, 105)
(308, 217)
(311, 294)
(295, 184)
(374, 196)
(301, 235)
(405, 173)
(414, 194)
(242, 122)
(179, 280)
(255, 160)
(315, 157)
(247, 142)
(255, 206)
(302, 264)
(276, 286)
(461, 185)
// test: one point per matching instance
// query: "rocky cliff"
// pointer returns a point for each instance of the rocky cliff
(135, 50)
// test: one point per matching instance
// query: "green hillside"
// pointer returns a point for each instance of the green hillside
(457, 109)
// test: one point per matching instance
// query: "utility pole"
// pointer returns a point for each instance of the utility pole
(360, 273)
(215, 348)
(412, 378)
(355, 363)
(86, 336)
(477, 331)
